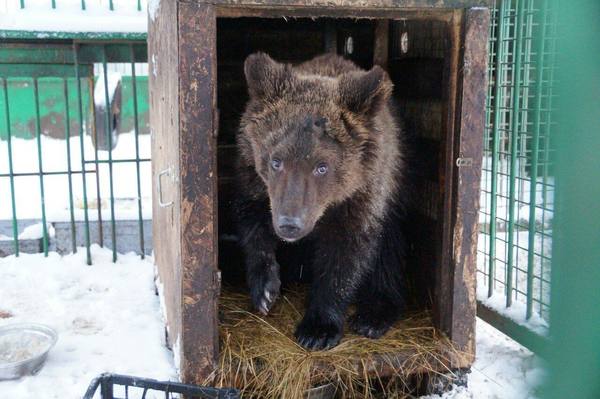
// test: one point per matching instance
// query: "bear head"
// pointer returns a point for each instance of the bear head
(312, 139)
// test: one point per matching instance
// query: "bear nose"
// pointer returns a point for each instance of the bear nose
(288, 225)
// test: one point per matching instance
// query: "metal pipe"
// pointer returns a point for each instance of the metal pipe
(82, 153)
(11, 175)
(137, 151)
(38, 135)
(108, 129)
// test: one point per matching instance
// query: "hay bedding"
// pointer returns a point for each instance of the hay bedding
(260, 356)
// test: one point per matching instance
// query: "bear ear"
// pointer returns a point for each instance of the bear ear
(266, 78)
(365, 92)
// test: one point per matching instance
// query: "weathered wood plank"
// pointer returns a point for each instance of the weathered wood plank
(381, 45)
(350, 3)
(442, 306)
(471, 122)
(198, 190)
(164, 122)
(235, 11)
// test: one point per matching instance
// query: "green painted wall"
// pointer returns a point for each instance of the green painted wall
(52, 106)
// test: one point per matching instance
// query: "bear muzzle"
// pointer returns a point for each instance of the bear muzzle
(290, 228)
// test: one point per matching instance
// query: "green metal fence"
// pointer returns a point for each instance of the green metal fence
(517, 193)
(76, 175)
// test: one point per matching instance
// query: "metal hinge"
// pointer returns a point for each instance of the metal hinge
(464, 162)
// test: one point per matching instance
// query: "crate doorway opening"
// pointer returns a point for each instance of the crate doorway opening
(257, 353)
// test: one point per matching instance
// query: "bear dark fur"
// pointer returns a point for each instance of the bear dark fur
(321, 161)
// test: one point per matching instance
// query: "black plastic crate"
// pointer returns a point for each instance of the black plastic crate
(136, 387)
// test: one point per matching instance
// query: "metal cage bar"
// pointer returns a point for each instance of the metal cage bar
(15, 225)
(82, 152)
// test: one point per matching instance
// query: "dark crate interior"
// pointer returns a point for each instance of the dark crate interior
(416, 63)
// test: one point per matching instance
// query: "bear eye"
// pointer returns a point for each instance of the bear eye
(321, 169)
(276, 164)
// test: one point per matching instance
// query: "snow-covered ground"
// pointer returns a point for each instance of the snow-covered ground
(56, 188)
(107, 316)
(68, 16)
(109, 319)
(503, 369)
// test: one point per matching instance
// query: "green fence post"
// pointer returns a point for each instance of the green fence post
(137, 151)
(514, 137)
(69, 170)
(501, 61)
(535, 140)
(38, 135)
(575, 317)
(15, 226)
(108, 128)
(82, 152)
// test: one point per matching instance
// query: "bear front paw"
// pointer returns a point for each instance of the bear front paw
(315, 334)
(264, 290)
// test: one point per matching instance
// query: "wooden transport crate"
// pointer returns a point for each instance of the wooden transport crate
(435, 52)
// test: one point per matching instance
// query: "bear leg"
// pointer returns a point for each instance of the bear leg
(373, 319)
(318, 332)
(259, 244)
(379, 301)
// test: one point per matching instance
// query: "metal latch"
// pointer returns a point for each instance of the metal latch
(464, 162)
(165, 172)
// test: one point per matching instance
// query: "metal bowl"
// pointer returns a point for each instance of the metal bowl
(24, 349)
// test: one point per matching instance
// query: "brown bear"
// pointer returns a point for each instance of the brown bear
(321, 160)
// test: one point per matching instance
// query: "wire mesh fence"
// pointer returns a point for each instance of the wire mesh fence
(517, 193)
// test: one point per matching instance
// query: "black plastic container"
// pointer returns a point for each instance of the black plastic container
(136, 387)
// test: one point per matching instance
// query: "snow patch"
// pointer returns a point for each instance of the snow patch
(56, 195)
(38, 15)
(503, 369)
(516, 312)
(36, 231)
(112, 81)
(107, 317)
(153, 6)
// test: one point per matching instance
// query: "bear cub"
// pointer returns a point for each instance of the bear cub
(321, 159)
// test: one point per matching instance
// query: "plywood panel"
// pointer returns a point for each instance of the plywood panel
(198, 190)
(471, 122)
(164, 121)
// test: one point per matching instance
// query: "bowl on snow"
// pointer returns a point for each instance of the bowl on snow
(24, 349)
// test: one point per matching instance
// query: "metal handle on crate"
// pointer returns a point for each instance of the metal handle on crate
(159, 187)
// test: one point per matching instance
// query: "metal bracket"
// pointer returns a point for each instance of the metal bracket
(464, 162)
(166, 172)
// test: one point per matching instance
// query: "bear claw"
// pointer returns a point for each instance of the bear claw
(317, 336)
